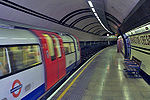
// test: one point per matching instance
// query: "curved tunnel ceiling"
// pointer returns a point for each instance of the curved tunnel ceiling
(75, 14)
(120, 8)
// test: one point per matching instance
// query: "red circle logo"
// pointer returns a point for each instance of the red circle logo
(16, 88)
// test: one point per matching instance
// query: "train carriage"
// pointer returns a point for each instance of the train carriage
(21, 67)
(77, 48)
(32, 61)
(54, 56)
(70, 52)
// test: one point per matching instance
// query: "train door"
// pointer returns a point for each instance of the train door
(76, 42)
(77, 51)
(52, 72)
(60, 56)
(52, 68)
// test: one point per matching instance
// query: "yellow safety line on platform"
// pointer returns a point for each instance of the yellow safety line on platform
(64, 92)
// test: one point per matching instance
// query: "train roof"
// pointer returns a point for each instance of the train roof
(66, 38)
(10, 36)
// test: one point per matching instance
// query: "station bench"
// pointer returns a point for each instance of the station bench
(132, 67)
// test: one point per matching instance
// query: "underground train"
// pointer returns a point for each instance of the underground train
(32, 61)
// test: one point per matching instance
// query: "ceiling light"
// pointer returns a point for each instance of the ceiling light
(96, 14)
(90, 3)
(104, 26)
(97, 18)
(92, 7)
(93, 10)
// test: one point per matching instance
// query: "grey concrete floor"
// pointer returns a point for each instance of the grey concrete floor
(104, 79)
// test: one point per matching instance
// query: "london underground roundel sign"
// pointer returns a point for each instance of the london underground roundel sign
(16, 88)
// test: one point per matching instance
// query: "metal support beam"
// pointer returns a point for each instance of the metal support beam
(74, 13)
(93, 28)
(99, 31)
(89, 25)
(112, 17)
(67, 18)
(80, 19)
(112, 22)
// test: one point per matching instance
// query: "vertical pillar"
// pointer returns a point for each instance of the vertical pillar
(127, 46)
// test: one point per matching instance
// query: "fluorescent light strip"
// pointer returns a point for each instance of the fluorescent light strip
(90, 3)
(104, 26)
(96, 15)
(101, 23)
(92, 7)
(93, 10)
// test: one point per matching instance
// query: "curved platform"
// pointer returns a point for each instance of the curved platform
(102, 78)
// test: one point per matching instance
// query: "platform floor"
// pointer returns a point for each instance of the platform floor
(103, 79)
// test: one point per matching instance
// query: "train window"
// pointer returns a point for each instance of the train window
(4, 69)
(67, 48)
(22, 57)
(88, 43)
(81, 44)
(57, 46)
(50, 46)
(72, 47)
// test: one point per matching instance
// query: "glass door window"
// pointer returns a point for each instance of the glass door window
(57, 46)
(50, 46)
